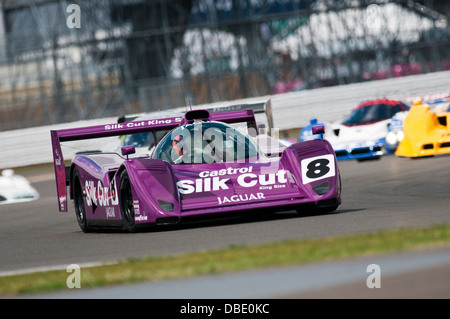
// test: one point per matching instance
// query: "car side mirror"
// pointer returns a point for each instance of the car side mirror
(127, 150)
(318, 129)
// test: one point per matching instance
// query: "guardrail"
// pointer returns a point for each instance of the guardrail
(290, 110)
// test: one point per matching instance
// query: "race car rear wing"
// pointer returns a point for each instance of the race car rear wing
(117, 129)
(261, 108)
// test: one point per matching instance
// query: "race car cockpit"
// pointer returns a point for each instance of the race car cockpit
(205, 142)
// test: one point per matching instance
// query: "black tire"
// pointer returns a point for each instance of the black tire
(126, 202)
(78, 200)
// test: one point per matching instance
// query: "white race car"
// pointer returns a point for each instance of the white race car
(15, 188)
(362, 135)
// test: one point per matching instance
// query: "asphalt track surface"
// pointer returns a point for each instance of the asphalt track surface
(386, 194)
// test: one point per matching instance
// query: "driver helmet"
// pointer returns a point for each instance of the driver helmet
(175, 144)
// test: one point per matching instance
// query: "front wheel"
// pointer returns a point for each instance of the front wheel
(126, 202)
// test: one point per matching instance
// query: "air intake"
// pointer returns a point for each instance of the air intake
(360, 151)
(167, 220)
(201, 115)
(341, 153)
(442, 120)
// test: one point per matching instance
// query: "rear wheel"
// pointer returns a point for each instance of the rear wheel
(126, 202)
(78, 199)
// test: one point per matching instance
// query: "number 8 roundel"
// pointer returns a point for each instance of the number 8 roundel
(318, 167)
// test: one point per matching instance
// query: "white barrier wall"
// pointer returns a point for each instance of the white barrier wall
(291, 110)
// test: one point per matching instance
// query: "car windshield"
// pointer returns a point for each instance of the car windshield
(205, 142)
(372, 113)
(145, 139)
(440, 106)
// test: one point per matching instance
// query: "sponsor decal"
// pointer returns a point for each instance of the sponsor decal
(119, 126)
(100, 195)
(136, 208)
(269, 187)
(240, 198)
(62, 201)
(251, 180)
(110, 212)
(212, 180)
(202, 185)
(140, 218)
(226, 171)
(318, 167)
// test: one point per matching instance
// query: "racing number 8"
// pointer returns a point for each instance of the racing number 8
(318, 167)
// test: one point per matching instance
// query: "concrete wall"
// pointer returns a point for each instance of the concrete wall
(290, 112)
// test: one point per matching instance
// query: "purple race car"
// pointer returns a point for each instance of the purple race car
(207, 163)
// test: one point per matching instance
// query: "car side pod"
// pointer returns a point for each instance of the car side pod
(127, 150)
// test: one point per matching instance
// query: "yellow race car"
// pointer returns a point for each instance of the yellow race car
(426, 130)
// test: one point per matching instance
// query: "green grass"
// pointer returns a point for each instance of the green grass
(233, 258)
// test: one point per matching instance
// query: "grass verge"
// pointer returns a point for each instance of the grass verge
(233, 258)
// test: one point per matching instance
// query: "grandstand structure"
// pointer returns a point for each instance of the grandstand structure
(69, 60)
